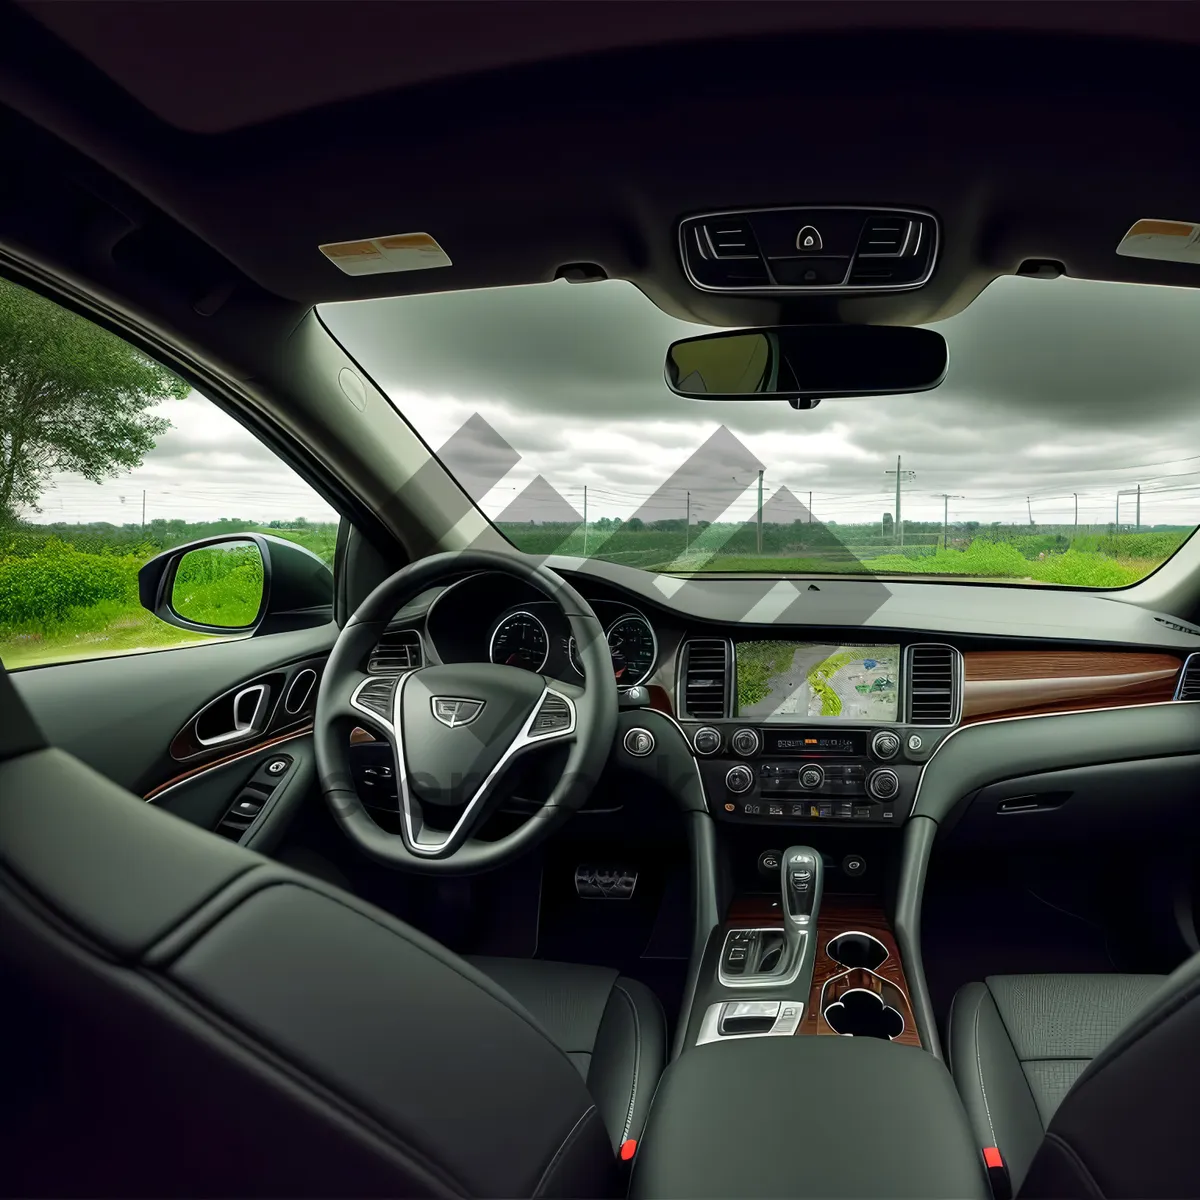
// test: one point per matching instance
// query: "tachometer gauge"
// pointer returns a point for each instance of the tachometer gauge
(520, 640)
(633, 648)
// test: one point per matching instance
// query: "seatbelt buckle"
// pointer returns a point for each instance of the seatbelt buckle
(628, 1149)
(997, 1173)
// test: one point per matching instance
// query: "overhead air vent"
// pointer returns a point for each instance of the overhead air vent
(1188, 687)
(1177, 626)
(886, 237)
(934, 688)
(399, 650)
(705, 678)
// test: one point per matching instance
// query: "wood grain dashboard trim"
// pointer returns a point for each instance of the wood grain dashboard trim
(1006, 683)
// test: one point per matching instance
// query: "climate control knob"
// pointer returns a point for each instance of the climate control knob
(746, 742)
(883, 784)
(739, 779)
(885, 745)
(706, 740)
(811, 776)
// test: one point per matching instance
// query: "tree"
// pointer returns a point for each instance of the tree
(73, 397)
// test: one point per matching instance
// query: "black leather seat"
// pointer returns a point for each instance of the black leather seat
(185, 1017)
(612, 1028)
(1085, 1083)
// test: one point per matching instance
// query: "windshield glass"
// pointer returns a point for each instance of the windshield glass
(1058, 452)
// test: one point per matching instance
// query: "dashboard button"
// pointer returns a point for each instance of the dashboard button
(639, 742)
(885, 745)
(883, 784)
(811, 777)
(739, 779)
(746, 742)
(706, 740)
(915, 742)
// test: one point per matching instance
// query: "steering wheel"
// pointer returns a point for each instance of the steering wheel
(456, 729)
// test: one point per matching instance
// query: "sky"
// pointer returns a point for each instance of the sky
(1055, 387)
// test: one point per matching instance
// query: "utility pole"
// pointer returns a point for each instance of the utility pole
(143, 510)
(759, 539)
(810, 508)
(1076, 522)
(687, 525)
(1138, 518)
(898, 533)
(1029, 505)
(946, 498)
(585, 520)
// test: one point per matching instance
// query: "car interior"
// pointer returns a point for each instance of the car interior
(472, 869)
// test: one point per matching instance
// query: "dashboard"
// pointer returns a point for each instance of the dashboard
(800, 722)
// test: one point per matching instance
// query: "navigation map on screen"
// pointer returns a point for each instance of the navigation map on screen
(806, 680)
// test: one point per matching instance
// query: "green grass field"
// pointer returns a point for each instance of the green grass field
(59, 601)
(70, 592)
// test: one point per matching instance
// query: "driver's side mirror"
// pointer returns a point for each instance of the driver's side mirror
(243, 583)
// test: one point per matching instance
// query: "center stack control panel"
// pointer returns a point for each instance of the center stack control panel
(765, 774)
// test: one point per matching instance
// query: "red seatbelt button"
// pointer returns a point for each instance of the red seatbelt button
(628, 1149)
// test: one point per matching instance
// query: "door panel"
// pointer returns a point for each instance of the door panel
(122, 715)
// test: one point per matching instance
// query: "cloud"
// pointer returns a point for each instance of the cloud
(1055, 387)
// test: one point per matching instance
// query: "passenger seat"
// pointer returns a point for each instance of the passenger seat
(1019, 1043)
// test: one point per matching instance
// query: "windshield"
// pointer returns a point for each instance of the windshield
(1058, 452)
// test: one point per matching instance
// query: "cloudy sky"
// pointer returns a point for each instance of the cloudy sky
(1055, 387)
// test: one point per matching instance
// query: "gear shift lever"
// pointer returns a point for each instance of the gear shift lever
(802, 875)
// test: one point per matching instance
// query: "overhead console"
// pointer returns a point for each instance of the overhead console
(836, 248)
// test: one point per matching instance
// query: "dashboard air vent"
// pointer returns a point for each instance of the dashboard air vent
(1188, 687)
(399, 650)
(705, 679)
(933, 685)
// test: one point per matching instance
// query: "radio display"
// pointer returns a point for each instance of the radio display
(813, 743)
(810, 680)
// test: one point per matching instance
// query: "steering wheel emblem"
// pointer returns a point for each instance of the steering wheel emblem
(456, 711)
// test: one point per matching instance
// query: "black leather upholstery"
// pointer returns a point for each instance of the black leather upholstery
(183, 1016)
(610, 1027)
(807, 1116)
(1019, 1044)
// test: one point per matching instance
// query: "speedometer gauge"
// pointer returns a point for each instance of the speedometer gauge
(520, 640)
(633, 648)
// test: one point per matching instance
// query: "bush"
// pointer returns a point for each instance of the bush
(37, 590)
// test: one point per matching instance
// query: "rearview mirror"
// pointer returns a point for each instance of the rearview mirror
(807, 362)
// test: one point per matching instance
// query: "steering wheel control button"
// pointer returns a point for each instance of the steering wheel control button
(883, 784)
(639, 742)
(885, 745)
(706, 740)
(555, 717)
(746, 742)
(811, 777)
(854, 865)
(916, 743)
(739, 779)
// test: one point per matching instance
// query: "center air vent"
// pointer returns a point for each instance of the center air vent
(1188, 687)
(933, 685)
(399, 650)
(705, 677)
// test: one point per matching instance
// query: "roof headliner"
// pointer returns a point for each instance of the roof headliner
(1026, 146)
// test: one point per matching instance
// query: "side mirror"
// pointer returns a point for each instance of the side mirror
(247, 583)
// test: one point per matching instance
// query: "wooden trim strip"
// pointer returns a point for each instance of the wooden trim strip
(1005, 683)
(221, 762)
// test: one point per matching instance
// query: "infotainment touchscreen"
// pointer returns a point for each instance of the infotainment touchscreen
(807, 680)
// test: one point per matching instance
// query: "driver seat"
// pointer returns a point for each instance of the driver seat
(186, 1017)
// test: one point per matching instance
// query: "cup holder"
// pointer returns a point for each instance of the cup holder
(861, 1013)
(857, 950)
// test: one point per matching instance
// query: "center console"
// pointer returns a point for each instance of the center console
(811, 733)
